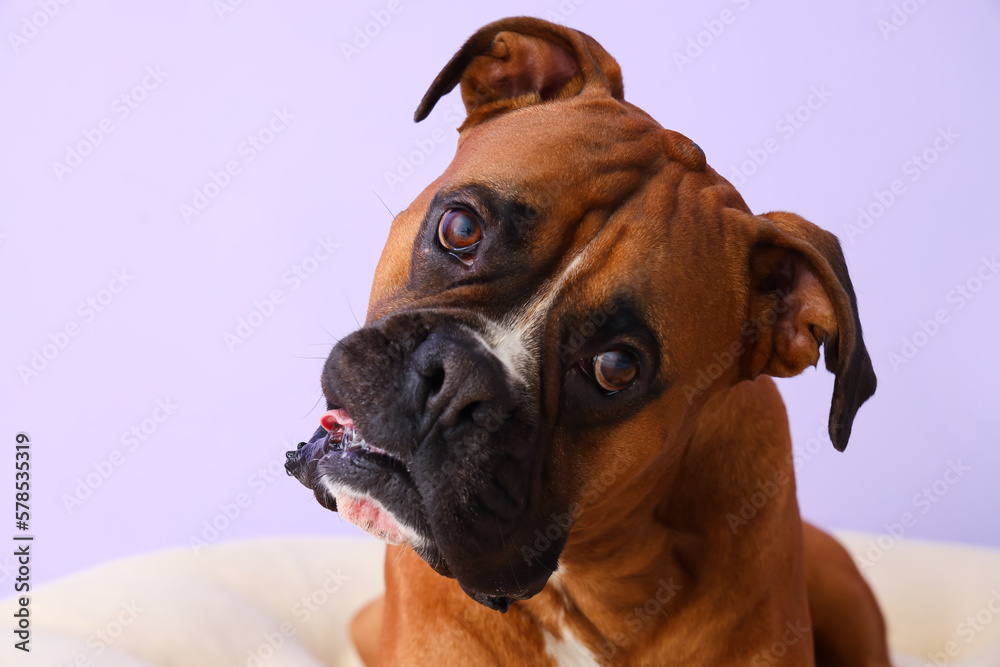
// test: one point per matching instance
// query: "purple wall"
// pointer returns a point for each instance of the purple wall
(161, 100)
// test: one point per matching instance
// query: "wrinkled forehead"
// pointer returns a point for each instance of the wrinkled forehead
(598, 151)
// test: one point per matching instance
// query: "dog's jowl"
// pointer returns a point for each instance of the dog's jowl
(562, 391)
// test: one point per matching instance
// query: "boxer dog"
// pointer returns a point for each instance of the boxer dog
(558, 412)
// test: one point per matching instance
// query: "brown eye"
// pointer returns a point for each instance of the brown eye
(615, 370)
(459, 231)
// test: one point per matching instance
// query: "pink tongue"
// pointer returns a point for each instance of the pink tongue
(333, 418)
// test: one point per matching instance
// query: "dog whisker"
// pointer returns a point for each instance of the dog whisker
(384, 204)
(352, 310)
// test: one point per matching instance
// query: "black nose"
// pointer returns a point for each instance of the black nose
(462, 382)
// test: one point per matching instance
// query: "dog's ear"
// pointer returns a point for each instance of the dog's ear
(801, 297)
(520, 61)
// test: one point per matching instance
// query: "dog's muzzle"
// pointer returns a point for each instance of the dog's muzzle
(429, 442)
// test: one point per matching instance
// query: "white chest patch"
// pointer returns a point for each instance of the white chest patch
(568, 651)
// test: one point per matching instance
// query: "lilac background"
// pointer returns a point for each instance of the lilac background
(162, 337)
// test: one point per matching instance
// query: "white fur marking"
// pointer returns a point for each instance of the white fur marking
(558, 585)
(514, 341)
(568, 651)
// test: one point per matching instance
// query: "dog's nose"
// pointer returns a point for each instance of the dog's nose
(462, 381)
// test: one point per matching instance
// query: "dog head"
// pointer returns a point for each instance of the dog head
(559, 304)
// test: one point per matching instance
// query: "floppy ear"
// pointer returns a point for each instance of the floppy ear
(802, 297)
(520, 61)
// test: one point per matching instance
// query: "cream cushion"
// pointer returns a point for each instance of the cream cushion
(288, 602)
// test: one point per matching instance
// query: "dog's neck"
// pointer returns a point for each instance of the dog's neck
(648, 574)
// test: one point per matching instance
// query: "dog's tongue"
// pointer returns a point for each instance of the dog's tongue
(333, 418)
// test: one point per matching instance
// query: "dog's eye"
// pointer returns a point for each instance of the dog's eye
(615, 370)
(459, 231)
